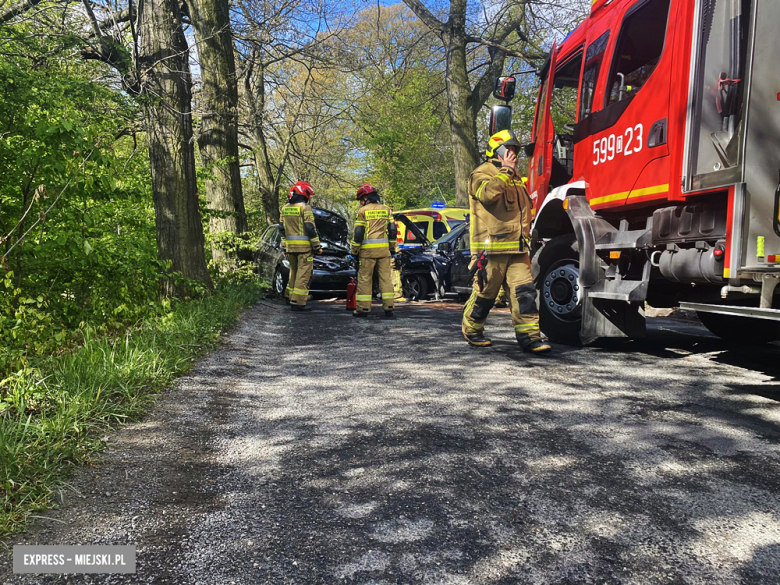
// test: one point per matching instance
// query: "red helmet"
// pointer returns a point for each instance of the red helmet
(364, 190)
(302, 188)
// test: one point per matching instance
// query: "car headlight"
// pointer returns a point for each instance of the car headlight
(286, 263)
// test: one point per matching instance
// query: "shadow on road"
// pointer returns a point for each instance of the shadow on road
(371, 451)
(407, 456)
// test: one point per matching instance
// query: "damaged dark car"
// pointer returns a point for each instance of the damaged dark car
(455, 246)
(423, 269)
(332, 270)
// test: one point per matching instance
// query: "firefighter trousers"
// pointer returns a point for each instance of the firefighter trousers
(365, 282)
(514, 272)
(301, 266)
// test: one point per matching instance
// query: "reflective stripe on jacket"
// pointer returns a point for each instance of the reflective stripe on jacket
(500, 210)
(372, 240)
(296, 236)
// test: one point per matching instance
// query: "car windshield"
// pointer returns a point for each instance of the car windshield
(453, 223)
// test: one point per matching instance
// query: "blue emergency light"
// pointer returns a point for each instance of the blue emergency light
(438, 205)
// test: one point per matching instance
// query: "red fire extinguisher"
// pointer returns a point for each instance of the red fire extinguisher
(352, 295)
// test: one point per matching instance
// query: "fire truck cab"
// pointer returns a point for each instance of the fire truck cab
(654, 169)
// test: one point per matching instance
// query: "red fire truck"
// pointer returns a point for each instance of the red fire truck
(654, 169)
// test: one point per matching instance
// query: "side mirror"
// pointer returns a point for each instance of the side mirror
(500, 118)
(504, 89)
(529, 148)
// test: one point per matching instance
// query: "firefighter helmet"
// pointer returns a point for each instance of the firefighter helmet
(364, 191)
(302, 188)
(499, 141)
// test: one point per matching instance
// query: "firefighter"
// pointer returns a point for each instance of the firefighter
(374, 243)
(301, 242)
(499, 233)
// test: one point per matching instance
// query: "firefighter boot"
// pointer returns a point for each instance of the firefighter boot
(389, 314)
(532, 345)
(299, 308)
(359, 313)
(478, 340)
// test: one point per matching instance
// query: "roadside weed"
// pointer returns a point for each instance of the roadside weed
(53, 413)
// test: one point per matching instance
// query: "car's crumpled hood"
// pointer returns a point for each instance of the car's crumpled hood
(331, 227)
(334, 236)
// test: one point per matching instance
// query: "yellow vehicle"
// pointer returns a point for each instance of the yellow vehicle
(433, 222)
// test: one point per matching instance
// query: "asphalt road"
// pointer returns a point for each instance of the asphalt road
(318, 448)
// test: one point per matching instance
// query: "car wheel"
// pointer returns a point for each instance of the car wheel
(560, 296)
(279, 282)
(415, 287)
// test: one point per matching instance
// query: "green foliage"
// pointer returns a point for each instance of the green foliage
(52, 415)
(77, 236)
(407, 137)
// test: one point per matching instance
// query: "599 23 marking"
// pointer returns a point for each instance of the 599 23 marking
(628, 143)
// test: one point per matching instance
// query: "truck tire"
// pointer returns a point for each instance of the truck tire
(557, 283)
(740, 329)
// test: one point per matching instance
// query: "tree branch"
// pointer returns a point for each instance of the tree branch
(92, 18)
(425, 15)
(506, 50)
(17, 9)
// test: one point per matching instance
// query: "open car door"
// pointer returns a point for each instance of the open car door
(540, 165)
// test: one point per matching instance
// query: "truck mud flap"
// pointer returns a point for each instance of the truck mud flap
(607, 318)
(601, 317)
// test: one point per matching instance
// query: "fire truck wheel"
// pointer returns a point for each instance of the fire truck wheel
(560, 297)
(739, 329)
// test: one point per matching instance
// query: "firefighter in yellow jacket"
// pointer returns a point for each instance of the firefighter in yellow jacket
(301, 242)
(499, 232)
(374, 243)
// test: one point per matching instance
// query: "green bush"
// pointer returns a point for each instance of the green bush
(52, 414)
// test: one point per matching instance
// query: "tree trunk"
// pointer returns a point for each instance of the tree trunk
(218, 137)
(465, 102)
(463, 126)
(267, 181)
(166, 85)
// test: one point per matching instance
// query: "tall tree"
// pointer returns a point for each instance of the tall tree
(280, 47)
(166, 87)
(464, 97)
(218, 136)
(401, 106)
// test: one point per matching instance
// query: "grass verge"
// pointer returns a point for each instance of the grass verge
(54, 413)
